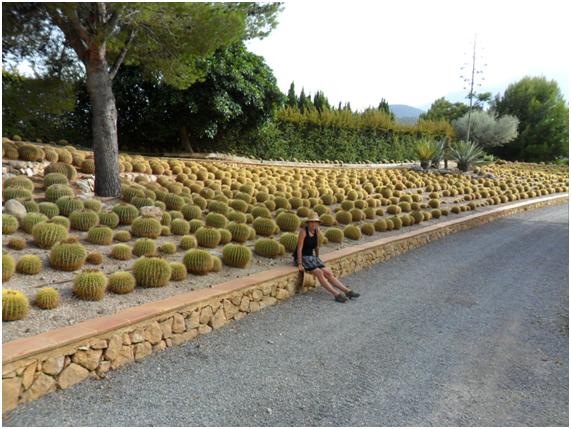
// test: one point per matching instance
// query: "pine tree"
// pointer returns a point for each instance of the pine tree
(292, 100)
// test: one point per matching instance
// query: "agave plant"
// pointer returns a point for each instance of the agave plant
(425, 150)
(438, 153)
(466, 153)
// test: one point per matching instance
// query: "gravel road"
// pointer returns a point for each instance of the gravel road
(469, 330)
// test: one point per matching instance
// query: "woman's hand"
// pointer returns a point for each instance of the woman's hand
(300, 268)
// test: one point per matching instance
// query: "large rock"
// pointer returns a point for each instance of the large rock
(142, 350)
(178, 325)
(10, 393)
(193, 320)
(15, 208)
(137, 336)
(53, 365)
(125, 356)
(206, 314)
(151, 211)
(42, 385)
(115, 344)
(73, 374)
(28, 375)
(218, 319)
(229, 309)
(153, 333)
(88, 359)
(245, 304)
(166, 328)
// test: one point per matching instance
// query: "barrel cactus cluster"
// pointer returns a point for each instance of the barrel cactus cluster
(180, 217)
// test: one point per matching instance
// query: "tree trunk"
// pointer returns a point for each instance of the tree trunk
(104, 126)
(185, 140)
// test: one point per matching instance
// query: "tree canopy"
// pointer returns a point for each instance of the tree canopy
(486, 129)
(543, 117)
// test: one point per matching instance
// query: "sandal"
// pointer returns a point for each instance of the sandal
(352, 294)
(340, 297)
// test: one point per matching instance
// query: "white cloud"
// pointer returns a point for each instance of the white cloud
(410, 52)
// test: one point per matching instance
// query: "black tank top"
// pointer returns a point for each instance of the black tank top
(309, 243)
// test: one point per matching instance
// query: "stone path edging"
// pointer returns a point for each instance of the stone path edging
(37, 365)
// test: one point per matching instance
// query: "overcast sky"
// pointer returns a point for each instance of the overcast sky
(411, 52)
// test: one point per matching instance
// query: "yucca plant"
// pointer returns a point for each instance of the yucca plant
(425, 150)
(466, 153)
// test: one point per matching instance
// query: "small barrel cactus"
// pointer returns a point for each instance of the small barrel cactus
(334, 235)
(61, 220)
(240, 231)
(178, 271)
(8, 266)
(121, 252)
(68, 205)
(288, 222)
(30, 220)
(267, 247)
(289, 241)
(122, 236)
(94, 258)
(343, 217)
(16, 243)
(90, 285)
(101, 235)
(216, 220)
(144, 247)
(368, 229)
(207, 237)
(83, 220)
(198, 261)
(121, 282)
(216, 264)
(92, 204)
(168, 248)
(108, 218)
(47, 298)
(352, 232)
(48, 209)
(55, 179)
(264, 227)
(67, 255)
(17, 193)
(151, 272)
(29, 264)
(15, 305)
(236, 255)
(380, 225)
(127, 213)
(46, 234)
(9, 224)
(179, 227)
(148, 227)
(188, 242)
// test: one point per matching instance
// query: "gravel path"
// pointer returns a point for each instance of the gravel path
(469, 330)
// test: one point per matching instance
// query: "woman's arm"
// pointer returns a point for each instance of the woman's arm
(300, 239)
(317, 247)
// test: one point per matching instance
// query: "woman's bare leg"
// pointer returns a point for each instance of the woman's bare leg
(318, 273)
(333, 280)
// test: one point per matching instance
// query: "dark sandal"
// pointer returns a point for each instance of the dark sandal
(352, 294)
(340, 297)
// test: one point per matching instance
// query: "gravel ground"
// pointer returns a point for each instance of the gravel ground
(73, 310)
(470, 330)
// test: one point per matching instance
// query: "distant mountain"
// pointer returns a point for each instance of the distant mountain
(405, 114)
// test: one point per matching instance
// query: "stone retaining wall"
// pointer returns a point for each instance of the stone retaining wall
(58, 359)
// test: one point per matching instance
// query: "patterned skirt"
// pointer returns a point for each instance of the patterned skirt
(310, 262)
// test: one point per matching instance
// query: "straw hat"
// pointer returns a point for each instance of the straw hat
(313, 218)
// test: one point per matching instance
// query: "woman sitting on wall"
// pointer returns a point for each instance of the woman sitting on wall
(306, 257)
